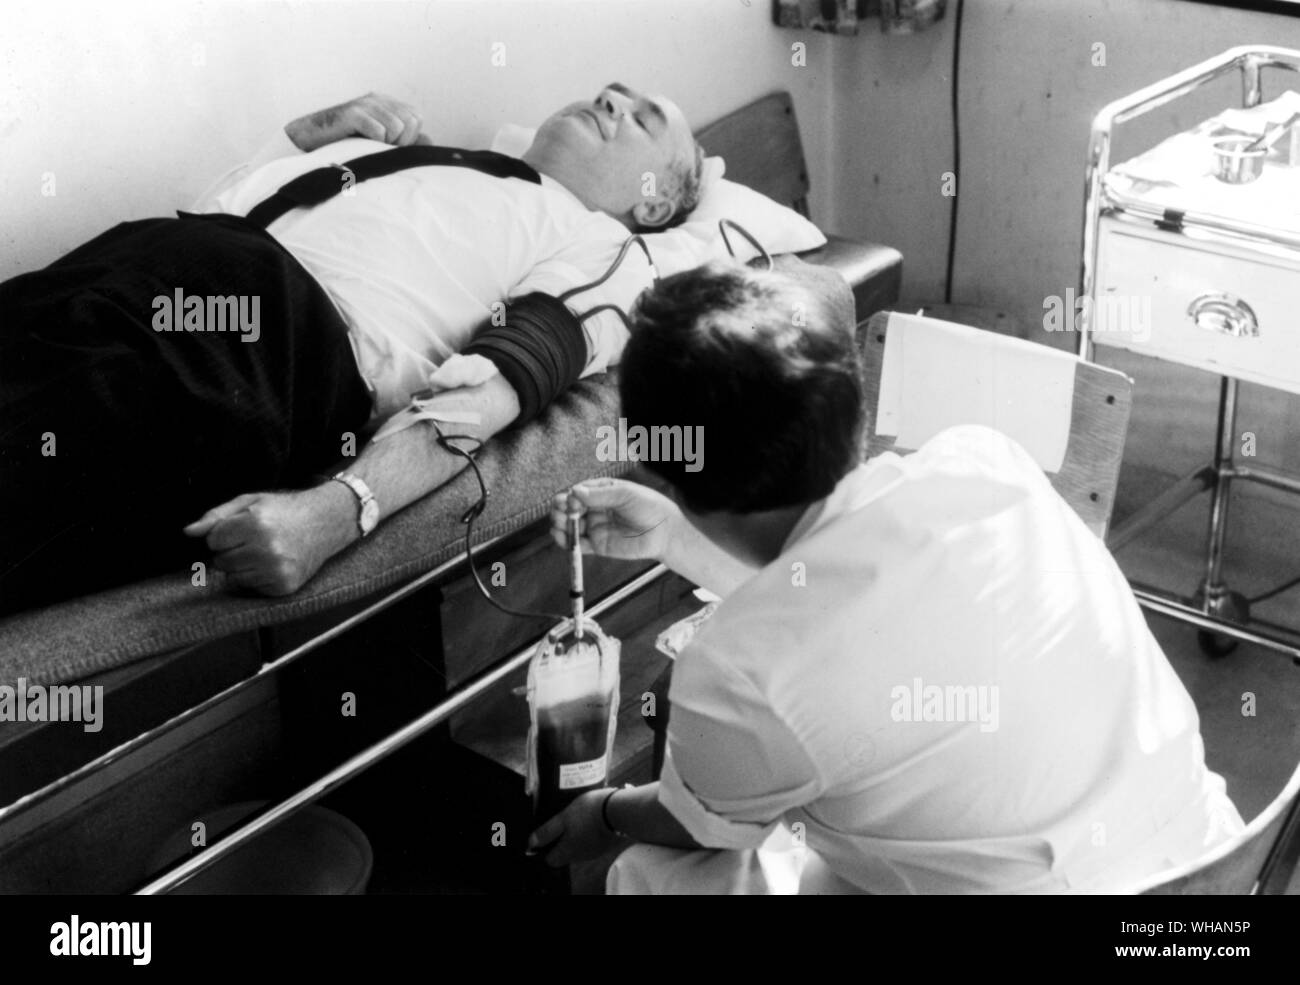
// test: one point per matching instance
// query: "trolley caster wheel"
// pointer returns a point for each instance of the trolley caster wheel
(1215, 645)
(1225, 605)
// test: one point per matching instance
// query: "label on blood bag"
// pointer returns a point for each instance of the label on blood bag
(588, 774)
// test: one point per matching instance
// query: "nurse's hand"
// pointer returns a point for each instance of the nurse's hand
(373, 115)
(576, 834)
(620, 519)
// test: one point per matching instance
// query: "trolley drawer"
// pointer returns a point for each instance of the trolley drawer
(1217, 308)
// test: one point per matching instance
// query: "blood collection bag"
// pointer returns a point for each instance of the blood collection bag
(573, 703)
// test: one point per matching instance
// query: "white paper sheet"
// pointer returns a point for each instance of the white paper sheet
(938, 375)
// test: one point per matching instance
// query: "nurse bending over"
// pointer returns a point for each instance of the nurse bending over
(926, 674)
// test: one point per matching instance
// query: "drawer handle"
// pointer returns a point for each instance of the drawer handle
(1224, 314)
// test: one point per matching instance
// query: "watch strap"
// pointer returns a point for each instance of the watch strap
(364, 498)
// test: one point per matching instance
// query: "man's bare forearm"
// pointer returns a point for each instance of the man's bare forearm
(410, 464)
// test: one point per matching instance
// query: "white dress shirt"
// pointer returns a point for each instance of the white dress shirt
(416, 260)
(824, 692)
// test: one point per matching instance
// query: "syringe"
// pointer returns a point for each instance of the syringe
(573, 520)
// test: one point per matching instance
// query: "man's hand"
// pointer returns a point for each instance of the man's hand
(620, 519)
(272, 543)
(575, 834)
(373, 115)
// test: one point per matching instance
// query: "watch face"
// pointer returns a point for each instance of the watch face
(369, 516)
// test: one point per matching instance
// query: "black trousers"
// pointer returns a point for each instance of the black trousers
(113, 436)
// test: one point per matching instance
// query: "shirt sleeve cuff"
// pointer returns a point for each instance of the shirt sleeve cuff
(276, 146)
(709, 829)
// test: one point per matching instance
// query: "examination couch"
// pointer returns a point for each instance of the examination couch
(164, 646)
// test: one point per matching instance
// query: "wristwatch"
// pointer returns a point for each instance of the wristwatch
(367, 507)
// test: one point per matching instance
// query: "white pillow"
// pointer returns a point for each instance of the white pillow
(697, 240)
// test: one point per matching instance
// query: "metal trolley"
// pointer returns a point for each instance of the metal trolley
(1223, 616)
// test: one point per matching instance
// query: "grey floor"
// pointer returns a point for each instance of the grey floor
(1254, 753)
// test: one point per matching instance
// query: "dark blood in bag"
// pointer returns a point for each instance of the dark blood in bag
(571, 753)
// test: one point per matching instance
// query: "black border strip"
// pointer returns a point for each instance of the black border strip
(1284, 8)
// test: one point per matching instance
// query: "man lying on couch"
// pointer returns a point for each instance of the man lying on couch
(173, 366)
(927, 666)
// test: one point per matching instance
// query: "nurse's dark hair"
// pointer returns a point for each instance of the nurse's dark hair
(767, 365)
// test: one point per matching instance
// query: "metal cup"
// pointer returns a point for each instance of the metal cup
(1234, 163)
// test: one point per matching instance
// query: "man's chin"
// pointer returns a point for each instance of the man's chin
(563, 137)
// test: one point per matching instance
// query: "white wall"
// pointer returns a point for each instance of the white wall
(1029, 92)
(135, 106)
